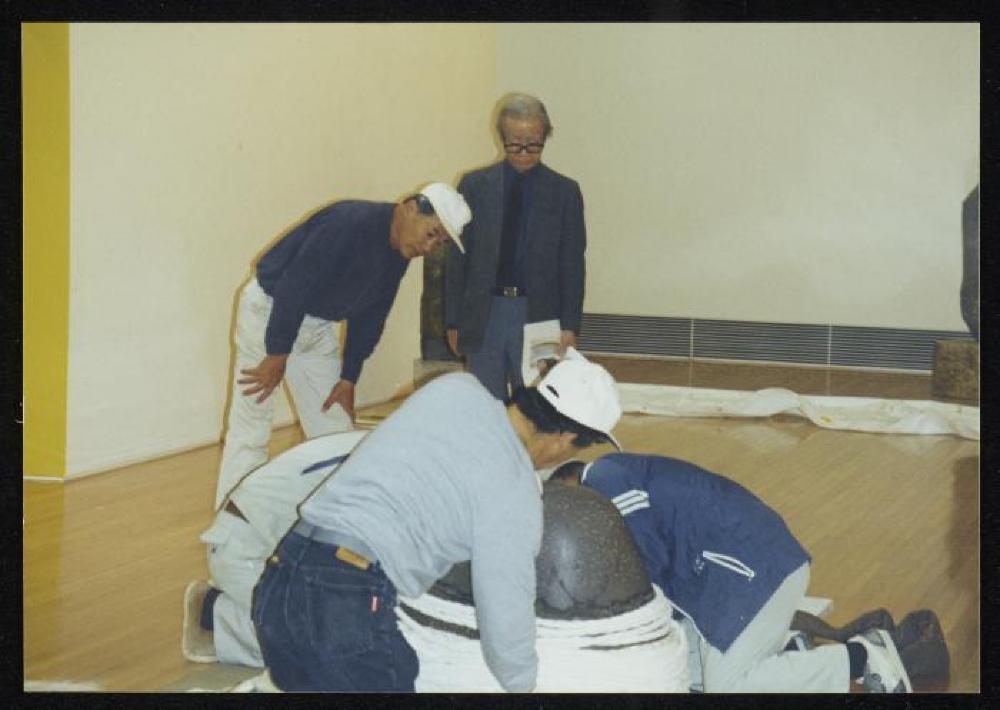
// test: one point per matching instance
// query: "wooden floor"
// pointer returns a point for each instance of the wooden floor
(890, 521)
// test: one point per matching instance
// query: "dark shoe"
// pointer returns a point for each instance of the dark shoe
(876, 619)
(916, 625)
(922, 647)
(927, 660)
(816, 628)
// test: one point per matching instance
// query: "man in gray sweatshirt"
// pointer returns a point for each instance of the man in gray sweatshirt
(448, 477)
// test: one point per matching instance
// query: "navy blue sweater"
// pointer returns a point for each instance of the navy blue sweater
(714, 548)
(337, 265)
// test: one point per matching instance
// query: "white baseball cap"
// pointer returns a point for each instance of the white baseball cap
(584, 392)
(451, 209)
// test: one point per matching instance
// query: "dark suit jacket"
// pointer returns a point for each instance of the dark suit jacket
(554, 266)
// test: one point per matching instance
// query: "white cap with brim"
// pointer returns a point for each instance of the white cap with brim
(583, 391)
(451, 209)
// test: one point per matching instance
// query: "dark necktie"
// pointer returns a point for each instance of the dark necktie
(511, 228)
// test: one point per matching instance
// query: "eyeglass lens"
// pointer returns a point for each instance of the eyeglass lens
(523, 147)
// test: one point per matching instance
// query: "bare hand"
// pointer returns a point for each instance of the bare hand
(452, 334)
(265, 377)
(567, 339)
(342, 394)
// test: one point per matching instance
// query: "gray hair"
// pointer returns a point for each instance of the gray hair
(522, 107)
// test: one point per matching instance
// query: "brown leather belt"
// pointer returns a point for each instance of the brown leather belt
(231, 508)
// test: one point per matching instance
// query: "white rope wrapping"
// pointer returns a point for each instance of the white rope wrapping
(453, 663)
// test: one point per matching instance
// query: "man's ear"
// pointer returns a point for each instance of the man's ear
(567, 437)
(559, 440)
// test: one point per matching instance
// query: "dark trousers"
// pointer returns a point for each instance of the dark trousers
(499, 359)
(325, 625)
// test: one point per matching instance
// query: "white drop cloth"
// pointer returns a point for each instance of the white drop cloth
(890, 416)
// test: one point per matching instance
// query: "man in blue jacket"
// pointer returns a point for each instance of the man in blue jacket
(343, 263)
(729, 564)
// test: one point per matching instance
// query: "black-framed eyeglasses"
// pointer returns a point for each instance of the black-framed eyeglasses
(515, 148)
(424, 206)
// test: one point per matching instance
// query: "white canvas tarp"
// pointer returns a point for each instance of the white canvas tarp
(889, 416)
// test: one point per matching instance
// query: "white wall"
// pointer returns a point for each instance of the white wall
(782, 172)
(798, 173)
(193, 146)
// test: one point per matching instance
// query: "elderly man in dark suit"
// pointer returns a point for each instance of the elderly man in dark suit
(524, 248)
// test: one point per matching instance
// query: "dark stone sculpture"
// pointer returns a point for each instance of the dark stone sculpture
(588, 568)
(969, 293)
(433, 342)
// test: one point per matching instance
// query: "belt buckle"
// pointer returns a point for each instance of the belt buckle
(351, 558)
(509, 291)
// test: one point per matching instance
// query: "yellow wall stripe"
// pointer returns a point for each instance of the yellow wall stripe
(45, 267)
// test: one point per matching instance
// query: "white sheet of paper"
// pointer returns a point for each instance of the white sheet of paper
(541, 342)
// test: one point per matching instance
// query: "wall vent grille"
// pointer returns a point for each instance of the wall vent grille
(772, 342)
(636, 335)
(887, 347)
(794, 343)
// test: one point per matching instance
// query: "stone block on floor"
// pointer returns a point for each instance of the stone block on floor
(956, 370)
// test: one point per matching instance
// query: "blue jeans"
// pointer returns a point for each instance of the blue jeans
(324, 624)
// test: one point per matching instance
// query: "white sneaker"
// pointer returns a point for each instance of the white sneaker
(197, 644)
(884, 671)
